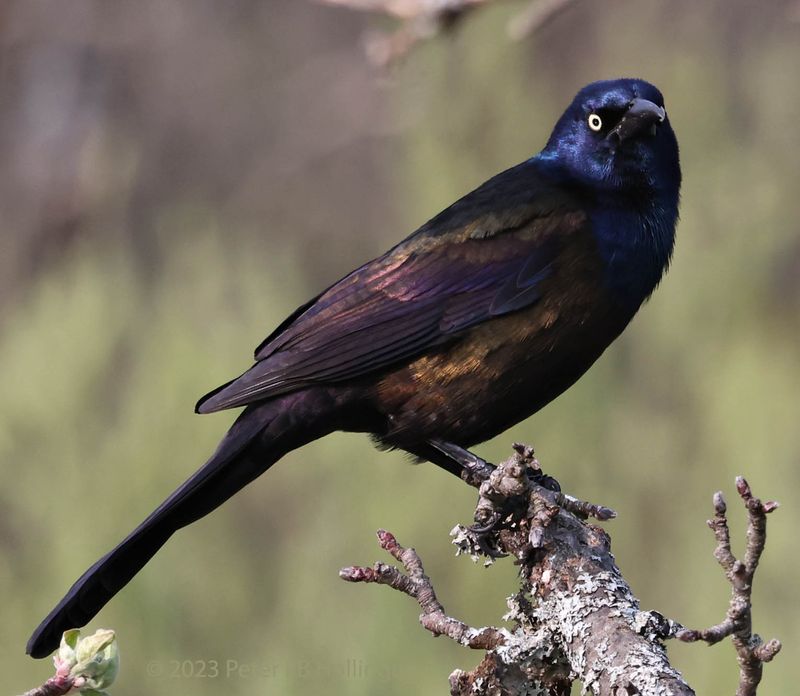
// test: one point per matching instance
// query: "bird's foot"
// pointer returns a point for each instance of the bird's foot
(488, 523)
(484, 534)
(517, 492)
(504, 500)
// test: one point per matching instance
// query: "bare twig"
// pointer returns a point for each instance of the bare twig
(751, 651)
(418, 585)
(423, 19)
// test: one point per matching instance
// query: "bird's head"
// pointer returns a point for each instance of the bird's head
(616, 136)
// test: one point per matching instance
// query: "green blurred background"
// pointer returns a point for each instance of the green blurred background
(177, 177)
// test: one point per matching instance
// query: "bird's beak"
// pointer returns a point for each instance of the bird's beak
(642, 116)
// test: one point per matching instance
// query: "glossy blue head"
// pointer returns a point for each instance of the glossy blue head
(615, 137)
(616, 146)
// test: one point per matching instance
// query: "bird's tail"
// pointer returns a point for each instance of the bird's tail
(261, 435)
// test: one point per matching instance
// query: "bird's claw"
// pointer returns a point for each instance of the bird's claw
(484, 533)
(487, 525)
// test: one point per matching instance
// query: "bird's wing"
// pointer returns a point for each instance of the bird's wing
(422, 293)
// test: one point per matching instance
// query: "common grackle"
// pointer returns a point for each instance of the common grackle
(478, 319)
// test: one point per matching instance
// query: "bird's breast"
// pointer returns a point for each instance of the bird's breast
(503, 370)
(635, 245)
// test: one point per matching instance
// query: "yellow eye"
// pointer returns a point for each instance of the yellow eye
(595, 122)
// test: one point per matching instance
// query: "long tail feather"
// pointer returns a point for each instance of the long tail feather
(261, 435)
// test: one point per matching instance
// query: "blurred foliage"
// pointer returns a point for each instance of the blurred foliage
(176, 178)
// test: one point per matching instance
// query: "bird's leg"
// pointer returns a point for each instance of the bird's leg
(490, 516)
(473, 467)
(475, 471)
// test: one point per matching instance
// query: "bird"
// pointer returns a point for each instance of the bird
(482, 316)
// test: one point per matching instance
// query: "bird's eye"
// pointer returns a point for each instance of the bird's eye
(595, 122)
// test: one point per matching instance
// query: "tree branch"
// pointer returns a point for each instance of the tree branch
(574, 616)
(418, 585)
(424, 19)
(751, 651)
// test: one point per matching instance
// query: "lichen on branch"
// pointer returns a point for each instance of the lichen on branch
(574, 616)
